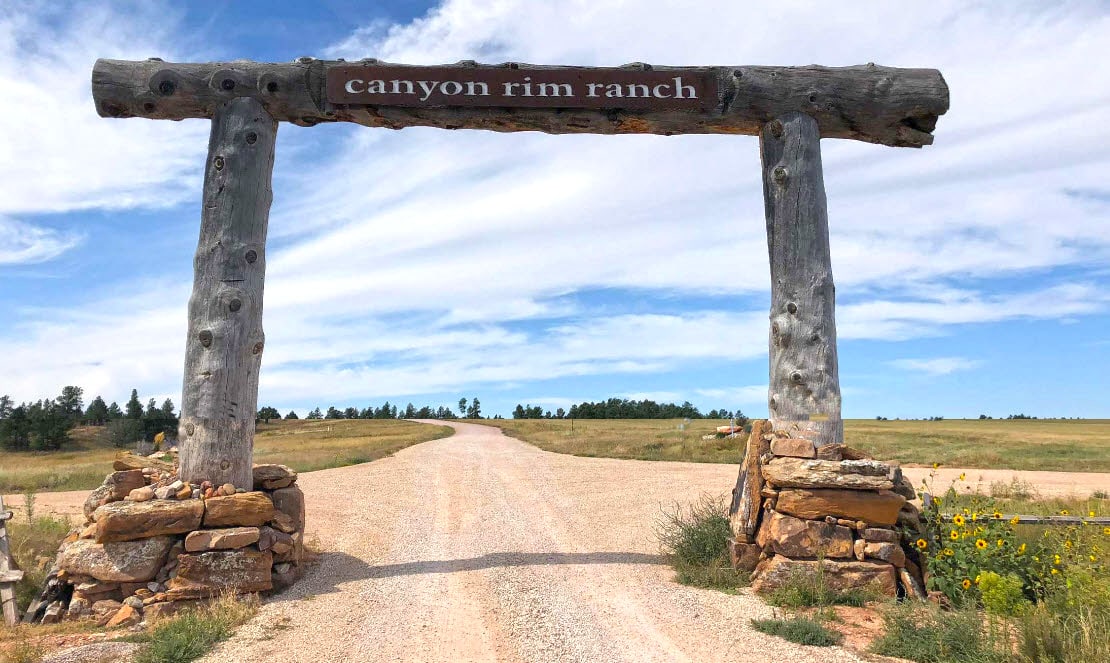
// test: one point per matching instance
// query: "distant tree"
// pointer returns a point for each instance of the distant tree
(123, 433)
(315, 414)
(71, 403)
(114, 412)
(333, 413)
(15, 429)
(48, 425)
(410, 411)
(168, 409)
(560, 413)
(134, 408)
(350, 413)
(425, 412)
(267, 413)
(152, 410)
(475, 409)
(518, 411)
(462, 406)
(6, 406)
(97, 413)
(982, 417)
(292, 415)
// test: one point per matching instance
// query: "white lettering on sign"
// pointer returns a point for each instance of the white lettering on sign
(424, 90)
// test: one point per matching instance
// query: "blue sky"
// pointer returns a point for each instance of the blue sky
(421, 265)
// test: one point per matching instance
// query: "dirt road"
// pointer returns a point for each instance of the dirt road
(479, 547)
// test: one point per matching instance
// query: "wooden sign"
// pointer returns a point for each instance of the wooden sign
(555, 87)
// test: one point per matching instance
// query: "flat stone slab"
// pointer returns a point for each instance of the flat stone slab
(221, 539)
(776, 571)
(206, 574)
(290, 501)
(853, 474)
(874, 508)
(121, 561)
(127, 521)
(240, 510)
(795, 537)
(271, 476)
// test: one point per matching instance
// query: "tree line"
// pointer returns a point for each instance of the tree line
(470, 409)
(45, 424)
(623, 408)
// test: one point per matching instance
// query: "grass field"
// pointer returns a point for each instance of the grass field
(303, 445)
(1050, 444)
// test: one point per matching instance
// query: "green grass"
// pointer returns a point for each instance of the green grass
(1042, 444)
(801, 630)
(927, 634)
(303, 445)
(190, 635)
(806, 590)
(33, 546)
(695, 539)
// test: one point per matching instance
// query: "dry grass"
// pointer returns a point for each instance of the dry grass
(1066, 445)
(303, 445)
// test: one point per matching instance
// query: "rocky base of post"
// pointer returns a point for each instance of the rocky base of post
(800, 509)
(153, 544)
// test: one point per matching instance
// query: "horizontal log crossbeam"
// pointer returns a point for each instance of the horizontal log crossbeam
(871, 103)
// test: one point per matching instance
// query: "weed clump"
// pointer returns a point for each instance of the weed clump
(929, 635)
(801, 630)
(695, 538)
(190, 635)
(804, 590)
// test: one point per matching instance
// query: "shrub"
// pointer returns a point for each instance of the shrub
(929, 635)
(802, 630)
(1002, 595)
(802, 590)
(33, 545)
(190, 635)
(695, 539)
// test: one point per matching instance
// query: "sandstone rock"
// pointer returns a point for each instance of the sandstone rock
(801, 473)
(284, 575)
(859, 548)
(880, 508)
(177, 485)
(227, 489)
(844, 522)
(79, 608)
(53, 613)
(744, 556)
(242, 510)
(774, 572)
(129, 588)
(850, 453)
(887, 552)
(116, 486)
(830, 452)
(290, 501)
(197, 494)
(913, 580)
(273, 477)
(126, 521)
(185, 492)
(909, 518)
(283, 523)
(153, 612)
(142, 593)
(276, 542)
(104, 610)
(206, 574)
(125, 616)
(793, 447)
(744, 510)
(794, 537)
(164, 492)
(295, 554)
(89, 532)
(905, 489)
(880, 535)
(221, 539)
(124, 561)
(144, 494)
(134, 601)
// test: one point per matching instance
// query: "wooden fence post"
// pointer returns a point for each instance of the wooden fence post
(223, 351)
(8, 575)
(804, 390)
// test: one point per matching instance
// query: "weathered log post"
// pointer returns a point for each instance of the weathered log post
(804, 391)
(223, 351)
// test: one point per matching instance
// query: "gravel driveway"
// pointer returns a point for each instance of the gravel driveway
(479, 547)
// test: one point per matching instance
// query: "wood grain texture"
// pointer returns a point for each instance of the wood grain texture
(804, 392)
(7, 587)
(223, 351)
(746, 504)
(890, 106)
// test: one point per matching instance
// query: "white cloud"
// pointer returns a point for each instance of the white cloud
(746, 395)
(937, 365)
(26, 243)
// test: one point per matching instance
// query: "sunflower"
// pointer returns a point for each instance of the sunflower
(959, 520)
(997, 515)
(936, 465)
(1092, 558)
(980, 544)
(1064, 512)
(954, 535)
(1090, 514)
(1055, 572)
(975, 517)
(1021, 549)
(1106, 531)
(1015, 520)
(948, 552)
(1067, 544)
(1001, 542)
(966, 584)
(922, 544)
(963, 476)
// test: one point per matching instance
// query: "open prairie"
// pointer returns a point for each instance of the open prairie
(303, 445)
(1068, 445)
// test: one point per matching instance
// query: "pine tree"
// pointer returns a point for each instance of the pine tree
(97, 413)
(134, 407)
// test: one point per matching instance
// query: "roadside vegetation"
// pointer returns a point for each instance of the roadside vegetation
(1068, 445)
(695, 540)
(188, 636)
(304, 445)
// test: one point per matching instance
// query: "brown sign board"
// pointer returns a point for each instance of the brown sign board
(425, 87)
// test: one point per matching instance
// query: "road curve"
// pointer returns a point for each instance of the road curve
(479, 547)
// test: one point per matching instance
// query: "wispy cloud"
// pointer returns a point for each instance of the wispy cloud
(937, 365)
(25, 243)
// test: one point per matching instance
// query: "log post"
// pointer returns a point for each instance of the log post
(804, 390)
(223, 351)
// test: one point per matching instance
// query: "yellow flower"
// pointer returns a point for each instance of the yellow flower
(954, 535)
(936, 465)
(963, 476)
(1063, 512)
(1092, 558)
(1067, 544)
(922, 544)
(966, 584)
(977, 579)
(936, 501)
(1056, 560)
(1021, 549)
(1055, 571)
(1015, 520)
(997, 515)
(948, 552)
(975, 517)
(1106, 531)
(980, 544)
(1001, 543)
(967, 511)
(959, 520)
(1090, 514)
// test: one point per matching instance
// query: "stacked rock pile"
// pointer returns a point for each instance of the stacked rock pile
(799, 509)
(153, 543)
